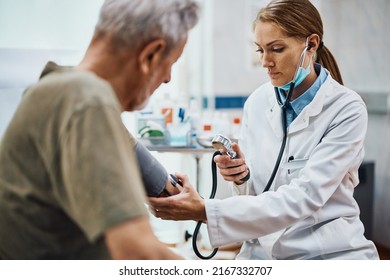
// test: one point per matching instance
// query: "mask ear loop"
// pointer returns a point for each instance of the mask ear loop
(300, 62)
(292, 85)
(299, 65)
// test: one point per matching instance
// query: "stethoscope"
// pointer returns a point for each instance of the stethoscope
(283, 106)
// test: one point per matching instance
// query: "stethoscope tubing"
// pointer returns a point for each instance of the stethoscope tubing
(284, 140)
(199, 223)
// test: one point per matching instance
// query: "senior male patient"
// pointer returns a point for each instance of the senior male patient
(70, 185)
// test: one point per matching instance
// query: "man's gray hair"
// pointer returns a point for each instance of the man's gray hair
(133, 23)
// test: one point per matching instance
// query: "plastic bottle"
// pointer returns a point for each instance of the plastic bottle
(235, 128)
(224, 124)
(167, 108)
(206, 135)
(206, 124)
(194, 115)
(207, 129)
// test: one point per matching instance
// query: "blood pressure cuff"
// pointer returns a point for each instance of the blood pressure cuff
(153, 173)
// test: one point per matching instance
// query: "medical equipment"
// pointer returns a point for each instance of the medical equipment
(174, 180)
(224, 144)
(153, 173)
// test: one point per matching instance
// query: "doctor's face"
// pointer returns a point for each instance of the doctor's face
(279, 53)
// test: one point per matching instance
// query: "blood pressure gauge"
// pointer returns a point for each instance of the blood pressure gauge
(223, 143)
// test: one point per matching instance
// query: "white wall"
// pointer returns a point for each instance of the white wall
(47, 24)
(33, 32)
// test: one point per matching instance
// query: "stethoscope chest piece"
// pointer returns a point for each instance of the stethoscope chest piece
(224, 144)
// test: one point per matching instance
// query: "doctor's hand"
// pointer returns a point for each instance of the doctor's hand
(186, 205)
(233, 170)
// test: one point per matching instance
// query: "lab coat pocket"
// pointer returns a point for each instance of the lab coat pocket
(294, 165)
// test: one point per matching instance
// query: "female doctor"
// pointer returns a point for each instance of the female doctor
(307, 209)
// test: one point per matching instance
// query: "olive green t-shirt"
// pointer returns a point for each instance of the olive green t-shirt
(67, 170)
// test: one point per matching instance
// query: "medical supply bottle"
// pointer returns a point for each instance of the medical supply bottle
(207, 131)
(167, 107)
(194, 118)
(235, 128)
(221, 123)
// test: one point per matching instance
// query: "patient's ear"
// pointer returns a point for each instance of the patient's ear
(151, 55)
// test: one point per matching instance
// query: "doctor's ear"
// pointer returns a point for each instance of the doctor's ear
(313, 43)
(151, 55)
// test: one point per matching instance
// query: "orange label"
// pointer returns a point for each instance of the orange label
(168, 113)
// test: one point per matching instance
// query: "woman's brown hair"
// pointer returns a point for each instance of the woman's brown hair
(299, 18)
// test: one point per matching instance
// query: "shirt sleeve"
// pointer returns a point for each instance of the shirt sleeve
(102, 185)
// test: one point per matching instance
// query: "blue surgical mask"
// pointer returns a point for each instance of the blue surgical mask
(301, 73)
(299, 77)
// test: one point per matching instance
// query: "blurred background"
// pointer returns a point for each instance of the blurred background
(213, 78)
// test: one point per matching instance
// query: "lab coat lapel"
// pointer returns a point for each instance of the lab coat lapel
(311, 110)
(274, 116)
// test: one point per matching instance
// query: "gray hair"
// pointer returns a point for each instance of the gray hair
(133, 23)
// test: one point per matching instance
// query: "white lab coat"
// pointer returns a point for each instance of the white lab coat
(309, 212)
